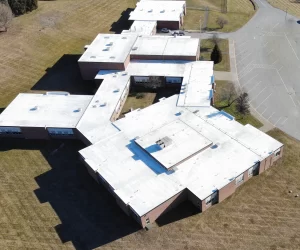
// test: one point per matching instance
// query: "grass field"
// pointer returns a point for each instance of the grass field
(207, 46)
(48, 201)
(54, 34)
(239, 13)
(248, 119)
(133, 101)
(292, 6)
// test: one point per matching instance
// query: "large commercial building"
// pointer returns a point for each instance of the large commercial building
(180, 148)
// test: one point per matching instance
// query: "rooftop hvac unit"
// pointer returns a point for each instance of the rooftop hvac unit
(124, 37)
(162, 11)
(134, 48)
(106, 37)
(112, 57)
(150, 10)
(92, 56)
(116, 90)
(109, 44)
(106, 49)
(103, 104)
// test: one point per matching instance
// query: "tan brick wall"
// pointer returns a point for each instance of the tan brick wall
(164, 207)
(226, 191)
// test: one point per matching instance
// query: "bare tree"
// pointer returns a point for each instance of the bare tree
(215, 38)
(242, 104)
(229, 95)
(5, 16)
(221, 22)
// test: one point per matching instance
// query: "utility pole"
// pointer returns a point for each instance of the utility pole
(200, 25)
(285, 13)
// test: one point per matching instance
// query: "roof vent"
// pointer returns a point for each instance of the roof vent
(103, 104)
(124, 37)
(112, 57)
(215, 146)
(97, 101)
(92, 56)
(164, 142)
(116, 90)
(134, 48)
(109, 44)
(162, 11)
(77, 110)
(106, 37)
(94, 106)
(34, 108)
(106, 49)
(196, 111)
(124, 74)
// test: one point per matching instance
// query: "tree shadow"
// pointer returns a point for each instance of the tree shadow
(182, 211)
(65, 75)
(123, 23)
(89, 215)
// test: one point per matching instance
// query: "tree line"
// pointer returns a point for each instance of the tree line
(11, 8)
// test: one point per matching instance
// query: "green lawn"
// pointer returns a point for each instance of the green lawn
(239, 12)
(138, 100)
(220, 104)
(207, 46)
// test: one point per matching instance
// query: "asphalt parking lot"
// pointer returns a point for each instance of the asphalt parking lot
(268, 65)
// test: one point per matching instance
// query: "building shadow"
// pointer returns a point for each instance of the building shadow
(182, 211)
(1, 110)
(89, 215)
(65, 75)
(122, 23)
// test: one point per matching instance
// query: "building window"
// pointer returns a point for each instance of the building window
(277, 153)
(250, 171)
(239, 179)
(208, 201)
(148, 221)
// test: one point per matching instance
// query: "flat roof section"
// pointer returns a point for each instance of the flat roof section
(173, 143)
(158, 11)
(141, 28)
(165, 46)
(45, 110)
(196, 89)
(95, 124)
(112, 48)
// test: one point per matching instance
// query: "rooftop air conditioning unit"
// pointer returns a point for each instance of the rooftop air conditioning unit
(150, 10)
(106, 49)
(162, 11)
(110, 44)
(134, 48)
(103, 104)
(34, 108)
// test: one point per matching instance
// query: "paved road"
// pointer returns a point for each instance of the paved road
(267, 51)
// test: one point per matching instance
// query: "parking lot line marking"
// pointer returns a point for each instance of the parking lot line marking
(254, 86)
(264, 100)
(275, 61)
(271, 116)
(275, 26)
(291, 46)
(250, 80)
(286, 88)
(258, 94)
(280, 68)
(277, 121)
(244, 58)
(269, 52)
(264, 111)
(284, 121)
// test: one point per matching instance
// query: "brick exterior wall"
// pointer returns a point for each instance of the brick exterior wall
(226, 191)
(172, 25)
(164, 207)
